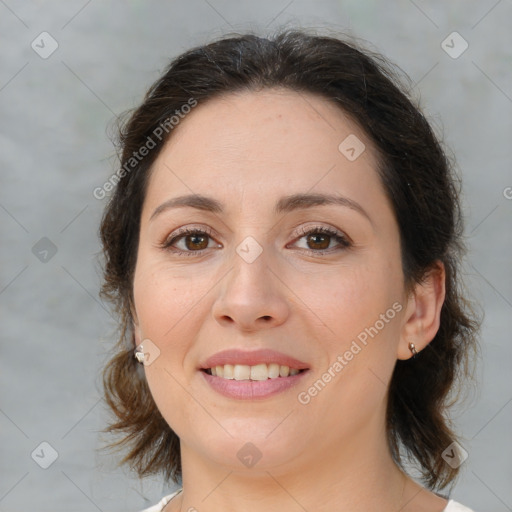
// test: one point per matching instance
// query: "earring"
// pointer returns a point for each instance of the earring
(139, 354)
(412, 348)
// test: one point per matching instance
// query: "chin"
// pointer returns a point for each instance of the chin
(255, 448)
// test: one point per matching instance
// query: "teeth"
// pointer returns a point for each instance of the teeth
(256, 372)
(284, 371)
(273, 370)
(229, 371)
(242, 372)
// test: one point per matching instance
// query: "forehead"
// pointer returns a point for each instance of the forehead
(261, 143)
(274, 120)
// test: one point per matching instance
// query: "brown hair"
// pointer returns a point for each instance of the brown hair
(420, 184)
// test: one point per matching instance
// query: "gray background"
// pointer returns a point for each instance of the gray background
(54, 151)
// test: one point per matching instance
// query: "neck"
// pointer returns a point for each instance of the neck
(360, 476)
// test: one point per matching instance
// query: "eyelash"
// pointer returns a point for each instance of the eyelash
(342, 240)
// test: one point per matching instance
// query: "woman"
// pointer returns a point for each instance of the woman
(282, 247)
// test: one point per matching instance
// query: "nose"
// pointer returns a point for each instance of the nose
(252, 295)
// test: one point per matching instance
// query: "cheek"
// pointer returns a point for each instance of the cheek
(163, 299)
(354, 298)
(362, 311)
(363, 315)
(167, 309)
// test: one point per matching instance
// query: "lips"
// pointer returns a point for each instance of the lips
(252, 358)
(242, 383)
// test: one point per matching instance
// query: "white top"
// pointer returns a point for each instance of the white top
(453, 506)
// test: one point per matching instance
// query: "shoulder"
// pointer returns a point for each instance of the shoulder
(455, 506)
(161, 504)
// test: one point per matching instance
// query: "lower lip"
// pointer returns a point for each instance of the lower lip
(252, 389)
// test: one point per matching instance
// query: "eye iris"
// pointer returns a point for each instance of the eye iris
(196, 237)
(317, 236)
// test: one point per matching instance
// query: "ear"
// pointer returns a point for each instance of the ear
(423, 312)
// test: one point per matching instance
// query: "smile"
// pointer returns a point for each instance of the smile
(256, 372)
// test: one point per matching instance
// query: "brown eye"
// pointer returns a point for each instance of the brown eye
(196, 241)
(189, 241)
(318, 240)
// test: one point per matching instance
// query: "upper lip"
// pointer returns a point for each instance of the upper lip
(252, 358)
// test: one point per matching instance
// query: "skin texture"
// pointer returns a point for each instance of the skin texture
(247, 150)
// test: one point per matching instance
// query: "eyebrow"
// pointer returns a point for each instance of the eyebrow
(285, 204)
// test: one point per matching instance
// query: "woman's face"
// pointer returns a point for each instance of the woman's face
(252, 278)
